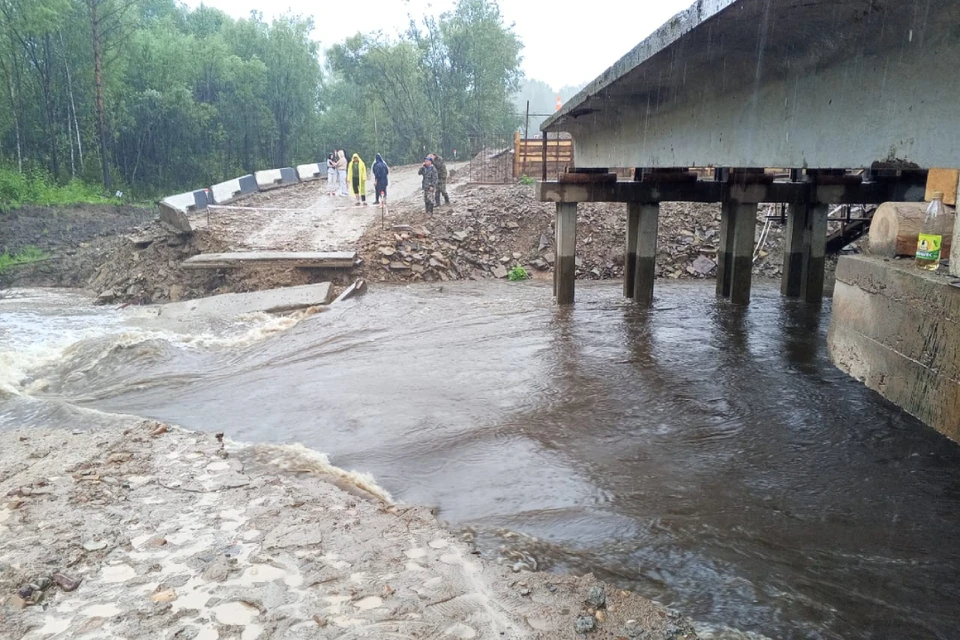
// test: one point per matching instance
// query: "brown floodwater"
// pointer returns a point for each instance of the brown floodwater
(707, 456)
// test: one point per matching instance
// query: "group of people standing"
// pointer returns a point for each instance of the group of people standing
(350, 178)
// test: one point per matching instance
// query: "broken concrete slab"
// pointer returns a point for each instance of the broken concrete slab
(175, 218)
(357, 288)
(188, 202)
(296, 259)
(269, 301)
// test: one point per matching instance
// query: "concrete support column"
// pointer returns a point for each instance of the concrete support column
(814, 253)
(565, 270)
(725, 250)
(630, 257)
(646, 269)
(744, 238)
(790, 283)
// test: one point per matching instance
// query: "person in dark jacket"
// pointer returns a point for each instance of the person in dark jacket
(380, 173)
(429, 173)
(441, 168)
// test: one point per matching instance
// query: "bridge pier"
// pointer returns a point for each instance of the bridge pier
(744, 237)
(646, 262)
(814, 253)
(738, 230)
(804, 255)
(630, 256)
(725, 250)
(790, 282)
(565, 270)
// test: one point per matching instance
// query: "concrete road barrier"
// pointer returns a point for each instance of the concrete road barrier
(228, 191)
(188, 202)
(308, 172)
(275, 178)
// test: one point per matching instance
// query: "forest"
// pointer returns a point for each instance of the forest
(150, 97)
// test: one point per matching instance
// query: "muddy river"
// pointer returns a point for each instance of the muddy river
(709, 457)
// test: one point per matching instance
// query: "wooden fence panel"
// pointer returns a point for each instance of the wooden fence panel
(528, 156)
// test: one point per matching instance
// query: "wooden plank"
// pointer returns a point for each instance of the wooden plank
(945, 180)
(298, 259)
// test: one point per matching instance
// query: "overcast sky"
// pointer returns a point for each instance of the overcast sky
(565, 44)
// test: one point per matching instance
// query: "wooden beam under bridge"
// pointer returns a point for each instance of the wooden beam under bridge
(711, 191)
(739, 194)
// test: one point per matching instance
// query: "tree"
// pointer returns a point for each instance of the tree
(107, 29)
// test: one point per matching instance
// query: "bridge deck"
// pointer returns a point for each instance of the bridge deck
(789, 83)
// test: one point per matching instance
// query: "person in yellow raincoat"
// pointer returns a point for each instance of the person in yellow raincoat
(357, 179)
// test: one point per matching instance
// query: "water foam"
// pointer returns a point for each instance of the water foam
(297, 458)
(31, 340)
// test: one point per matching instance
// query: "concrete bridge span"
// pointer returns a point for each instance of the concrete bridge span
(857, 98)
(779, 83)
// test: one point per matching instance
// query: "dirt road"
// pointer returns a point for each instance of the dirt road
(303, 218)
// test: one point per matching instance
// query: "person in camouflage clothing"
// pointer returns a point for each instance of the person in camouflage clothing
(430, 181)
(441, 168)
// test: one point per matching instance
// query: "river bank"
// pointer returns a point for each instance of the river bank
(485, 231)
(146, 530)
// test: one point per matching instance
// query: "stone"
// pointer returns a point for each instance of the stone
(98, 545)
(168, 595)
(399, 266)
(107, 296)
(505, 260)
(544, 242)
(517, 255)
(704, 265)
(387, 251)
(597, 597)
(585, 624)
(461, 235)
(511, 225)
(218, 570)
(500, 272)
(550, 257)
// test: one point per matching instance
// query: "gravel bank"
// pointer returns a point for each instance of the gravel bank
(147, 531)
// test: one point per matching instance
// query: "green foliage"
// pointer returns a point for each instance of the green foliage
(446, 84)
(518, 273)
(527, 180)
(38, 188)
(29, 254)
(190, 97)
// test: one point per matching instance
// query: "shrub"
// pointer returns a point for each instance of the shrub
(518, 273)
(39, 188)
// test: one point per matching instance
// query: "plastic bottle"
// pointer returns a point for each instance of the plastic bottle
(930, 240)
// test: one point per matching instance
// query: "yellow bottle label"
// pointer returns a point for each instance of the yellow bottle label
(928, 247)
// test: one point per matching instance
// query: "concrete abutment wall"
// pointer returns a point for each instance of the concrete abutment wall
(897, 329)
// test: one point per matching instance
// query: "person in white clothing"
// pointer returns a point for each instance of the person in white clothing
(332, 174)
(342, 173)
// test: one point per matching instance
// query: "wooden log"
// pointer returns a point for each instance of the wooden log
(896, 227)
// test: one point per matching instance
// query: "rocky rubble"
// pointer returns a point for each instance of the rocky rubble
(489, 229)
